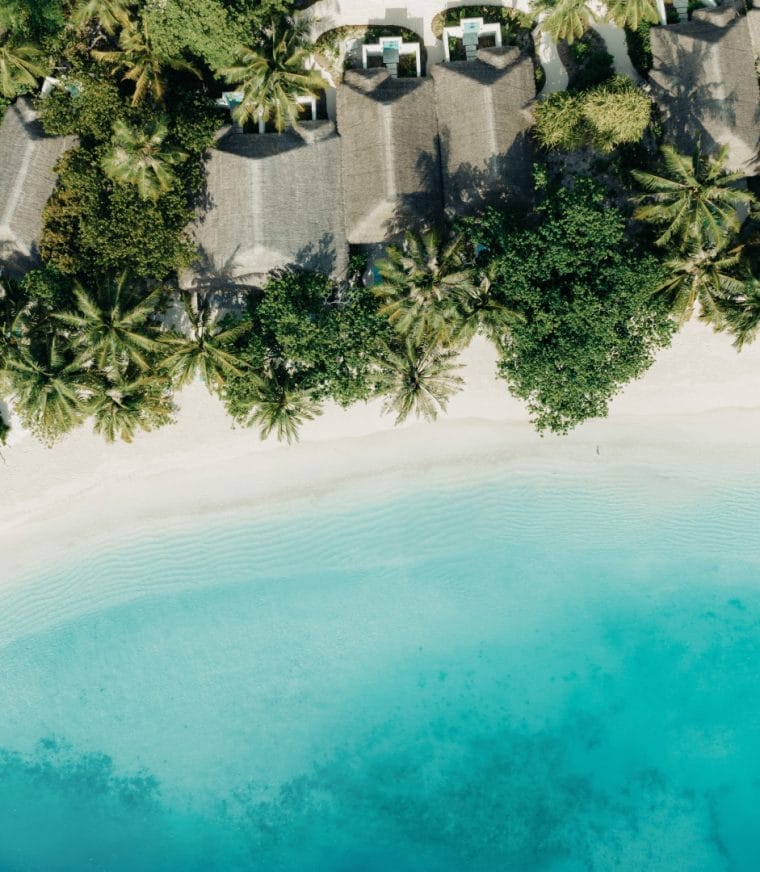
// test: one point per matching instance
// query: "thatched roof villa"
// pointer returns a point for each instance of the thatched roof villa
(483, 117)
(26, 182)
(273, 200)
(703, 77)
(391, 169)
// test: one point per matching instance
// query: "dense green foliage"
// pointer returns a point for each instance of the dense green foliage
(693, 199)
(584, 291)
(313, 334)
(564, 19)
(639, 45)
(576, 293)
(272, 75)
(604, 117)
(694, 204)
(92, 225)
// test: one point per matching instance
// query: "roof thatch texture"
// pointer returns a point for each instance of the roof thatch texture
(391, 169)
(273, 200)
(483, 110)
(703, 77)
(27, 180)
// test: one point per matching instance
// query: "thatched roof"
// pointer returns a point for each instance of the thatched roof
(703, 77)
(391, 169)
(273, 200)
(483, 114)
(26, 183)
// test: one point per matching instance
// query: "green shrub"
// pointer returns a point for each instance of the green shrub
(589, 321)
(639, 45)
(617, 112)
(92, 226)
(603, 117)
(559, 122)
(85, 105)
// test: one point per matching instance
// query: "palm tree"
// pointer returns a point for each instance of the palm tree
(49, 391)
(704, 276)
(417, 283)
(14, 304)
(695, 199)
(122, 407)
(140, 157)
(478, 308)
(271, 77)
(741, 313)
(21, 66)
(112, 329)
(418, 380)
(280, 406)
(110, 14)
(631, 13)
(203, 351)
(144, 65)
(564, 19)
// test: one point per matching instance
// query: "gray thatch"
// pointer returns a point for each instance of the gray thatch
(703, 77)
(753, 20)
(391, 169)
(26, 182)
(483, 110)
(273, 200)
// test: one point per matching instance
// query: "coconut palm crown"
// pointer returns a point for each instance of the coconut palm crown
(144, 64)
(703, 277)
(272, 76)
(21, 66)
(632, 13)
(695, 199)
(110, 14)
(417, 280)
(141, 157)
(203, 352)
(49, 391)
(120, 408)
(564, 19)
(418, 380)
(112, 329)
(741, 313)
(279, 405)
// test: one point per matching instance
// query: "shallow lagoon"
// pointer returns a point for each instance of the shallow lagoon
(537, 673)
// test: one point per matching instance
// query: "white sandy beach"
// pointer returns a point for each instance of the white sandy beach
(699, 394)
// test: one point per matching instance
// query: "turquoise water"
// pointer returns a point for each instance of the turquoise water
(540, 673)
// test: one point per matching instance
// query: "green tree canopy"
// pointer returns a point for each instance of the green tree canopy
(120, 408)
(113, 327)
(141, 156)
(310, 340)
(205, 29)
(564, 19)
(694, 200)
(590, 318)
(603, 117)
(272, 75)
(417, 284)
(418, 380)
(109, 14)
(703, 277)
(205, 351)
(91, 226)
(142, 62)
(632, 13)
(22, 65)
(49, 391)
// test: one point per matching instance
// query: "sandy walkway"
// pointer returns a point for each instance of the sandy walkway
(699, 391)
